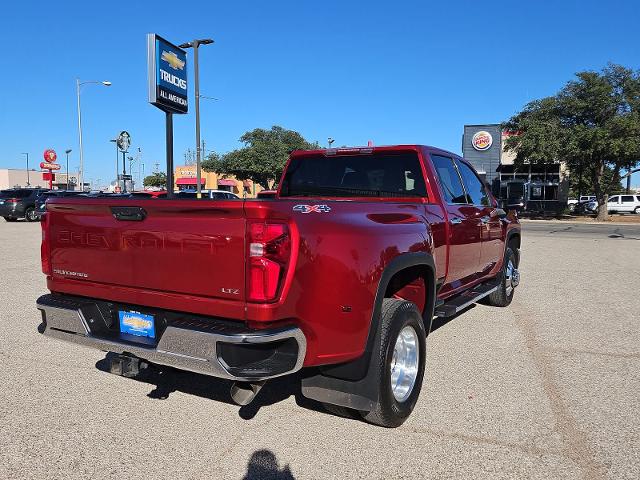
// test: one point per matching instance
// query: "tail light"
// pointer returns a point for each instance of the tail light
(269, 253)
(12, 200)
(45, 251)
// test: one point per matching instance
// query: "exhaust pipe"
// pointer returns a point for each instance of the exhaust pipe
(243, 393)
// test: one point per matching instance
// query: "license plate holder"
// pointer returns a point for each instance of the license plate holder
(137, 324)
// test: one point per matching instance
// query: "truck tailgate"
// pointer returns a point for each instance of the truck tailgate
(192, 247)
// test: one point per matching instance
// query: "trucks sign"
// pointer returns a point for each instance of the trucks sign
(167, 66)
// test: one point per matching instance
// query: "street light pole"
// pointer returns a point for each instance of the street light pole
(132, 182)
(115, 141)
(28, 184)
(195, 44)
(68, 152)
(78, 84)
(124, 172)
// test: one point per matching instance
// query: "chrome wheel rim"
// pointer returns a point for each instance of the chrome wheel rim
(511, 277)
(31, 215)
(404, 363)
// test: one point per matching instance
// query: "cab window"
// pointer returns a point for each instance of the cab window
(449, 180)
(476, 191)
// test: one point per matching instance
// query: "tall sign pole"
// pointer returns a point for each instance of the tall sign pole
(124, 142)
(50, 164)
(167, 66)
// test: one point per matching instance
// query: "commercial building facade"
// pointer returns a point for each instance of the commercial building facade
(542, 187)
(18, 177)
(185, 179)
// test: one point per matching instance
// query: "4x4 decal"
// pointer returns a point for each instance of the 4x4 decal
(312, 208)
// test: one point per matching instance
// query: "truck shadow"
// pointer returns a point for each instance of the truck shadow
(167, 380)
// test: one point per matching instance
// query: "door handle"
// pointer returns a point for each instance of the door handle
(456, 220)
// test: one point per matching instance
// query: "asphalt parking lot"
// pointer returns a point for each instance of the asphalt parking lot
(546, 388)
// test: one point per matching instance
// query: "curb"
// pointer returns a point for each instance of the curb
(579, 222)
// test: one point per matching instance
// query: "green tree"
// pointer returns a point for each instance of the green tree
(592, 124)
(263, 157)
(583, 184)
(157, 179)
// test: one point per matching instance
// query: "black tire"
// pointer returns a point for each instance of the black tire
(636, 210)
(10, 219)
(502, 297)
(395, 316)
(30, 215)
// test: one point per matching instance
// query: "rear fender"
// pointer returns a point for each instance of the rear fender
(352, 384)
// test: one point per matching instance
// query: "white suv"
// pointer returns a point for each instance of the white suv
(624, 204)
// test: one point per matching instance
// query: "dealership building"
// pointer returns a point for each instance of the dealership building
(542, 187)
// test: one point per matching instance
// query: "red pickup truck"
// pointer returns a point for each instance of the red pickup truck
(340, 275)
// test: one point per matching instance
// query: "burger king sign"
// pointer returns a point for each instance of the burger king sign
(482, 140)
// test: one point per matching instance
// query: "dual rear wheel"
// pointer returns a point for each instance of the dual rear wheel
(398, 363)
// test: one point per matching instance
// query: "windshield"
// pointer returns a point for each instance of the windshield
(371, 175)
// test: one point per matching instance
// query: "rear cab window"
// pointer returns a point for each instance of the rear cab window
(383, 174)
(627, 199)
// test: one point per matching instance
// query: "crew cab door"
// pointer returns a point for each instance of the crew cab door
(464, 232)
(490, 225)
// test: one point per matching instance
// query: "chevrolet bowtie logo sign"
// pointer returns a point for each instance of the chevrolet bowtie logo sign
(168, 85)
(173, 60)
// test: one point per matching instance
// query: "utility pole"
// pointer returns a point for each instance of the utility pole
(195, 44)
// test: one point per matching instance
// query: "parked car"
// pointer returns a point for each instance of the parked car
(210, 194)
(619, 204)
(18, 203)
(149, 194)
(267, 194)
(41, 200)
(342, 276)
(624, 204)
(582, 204)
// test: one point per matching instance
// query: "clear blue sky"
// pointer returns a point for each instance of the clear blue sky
(392, 72)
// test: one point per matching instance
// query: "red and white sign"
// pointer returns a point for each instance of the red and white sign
(482, 140)
(50, 155)
(49, 166)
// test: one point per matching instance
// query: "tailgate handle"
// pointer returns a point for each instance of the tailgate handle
(129, 214)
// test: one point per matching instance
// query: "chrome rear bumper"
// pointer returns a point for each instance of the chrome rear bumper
(185, 345)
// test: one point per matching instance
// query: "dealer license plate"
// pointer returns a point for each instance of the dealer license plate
(136, 323)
